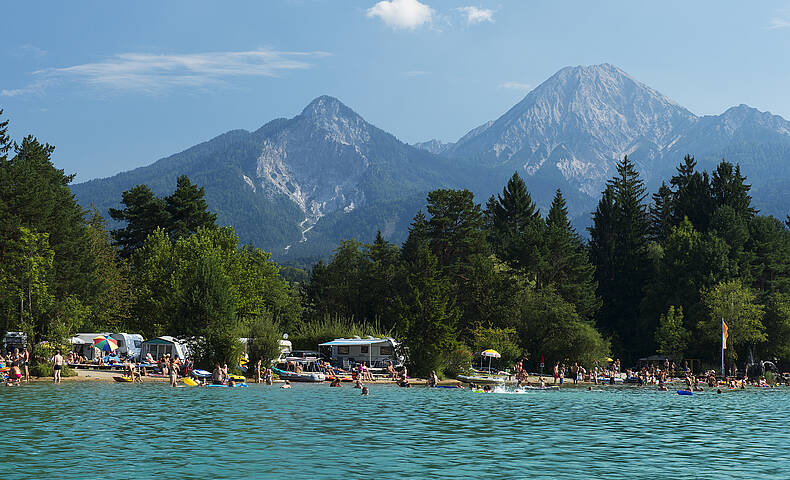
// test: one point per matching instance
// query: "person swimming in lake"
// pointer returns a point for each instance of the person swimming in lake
(287, 384)
(336, 383)
(433, 379)
(216, 375)
(365, 391)
(357, 384)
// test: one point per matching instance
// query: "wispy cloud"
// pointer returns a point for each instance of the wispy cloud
(155, 73)
(516, 86)
(779, 22)
(28, 50)
(477, 15)
(415, 73)
(402, 14)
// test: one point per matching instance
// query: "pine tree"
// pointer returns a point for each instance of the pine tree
(455, 229)
(618, 251)
(692, 196)
(566, 264)
(661, 214)
(187, 209)
(418, 237)
(36, 195)
(516, 228)
(728, 187)
(428, 315)
(144, 213)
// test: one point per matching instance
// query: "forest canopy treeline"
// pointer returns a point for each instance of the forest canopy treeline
(658, 274)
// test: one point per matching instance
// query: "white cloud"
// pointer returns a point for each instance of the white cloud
(415, 73)
(477, 15)
(154, 73)
(403, 14)
(778, 22)
(516, 86)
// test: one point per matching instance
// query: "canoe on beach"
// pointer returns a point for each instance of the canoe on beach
(481, 380)
(300, 377)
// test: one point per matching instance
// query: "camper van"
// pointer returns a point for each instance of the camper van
(129, 344)
(14, 340)
(82, 343)
(161, 346)
(349, 351)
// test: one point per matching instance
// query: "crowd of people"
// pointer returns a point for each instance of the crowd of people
(15, 364)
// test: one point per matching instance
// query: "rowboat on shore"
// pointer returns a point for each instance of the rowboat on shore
(314, 377)
(481, 380)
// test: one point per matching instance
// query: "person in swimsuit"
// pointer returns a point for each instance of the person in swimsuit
(287, 384)
(258, 370)
(57, 366)
(173, 373)
(216, 375)
(365, 391)
(25, 363)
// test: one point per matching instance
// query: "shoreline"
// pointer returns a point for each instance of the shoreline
(107, 376)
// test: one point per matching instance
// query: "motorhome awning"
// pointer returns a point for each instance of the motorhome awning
(354, 341)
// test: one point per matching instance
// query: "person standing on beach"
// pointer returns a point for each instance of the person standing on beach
(258, 370)
(556, 372)
(57, 366)
(173, 373)
(575, 372)
(26, 356)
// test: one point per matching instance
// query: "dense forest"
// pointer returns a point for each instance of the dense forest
(658, 274)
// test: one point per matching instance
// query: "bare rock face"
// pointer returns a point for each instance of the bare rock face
(579, 123)
(318, 161)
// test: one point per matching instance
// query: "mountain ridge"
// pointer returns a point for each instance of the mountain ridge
(296, 186)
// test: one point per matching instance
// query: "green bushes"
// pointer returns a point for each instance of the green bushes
(310, 334)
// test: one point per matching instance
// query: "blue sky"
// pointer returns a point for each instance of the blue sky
(118, 85)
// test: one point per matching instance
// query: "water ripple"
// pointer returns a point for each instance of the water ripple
(96, 430)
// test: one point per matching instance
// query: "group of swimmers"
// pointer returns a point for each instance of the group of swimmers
(15, 366)
(336, 383)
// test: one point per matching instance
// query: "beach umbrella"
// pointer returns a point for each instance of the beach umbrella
(490, 353)
(105, 344)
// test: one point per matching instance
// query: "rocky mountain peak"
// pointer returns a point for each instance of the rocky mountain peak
(339, 123)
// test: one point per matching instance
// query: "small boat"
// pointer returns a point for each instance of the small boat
(300, 377)
(119, 378)
(197, 373)
(481, 380)
(228, 386)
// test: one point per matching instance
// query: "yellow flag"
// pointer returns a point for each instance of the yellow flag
(724, 334)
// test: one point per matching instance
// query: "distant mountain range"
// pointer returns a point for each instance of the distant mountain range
(298, 186)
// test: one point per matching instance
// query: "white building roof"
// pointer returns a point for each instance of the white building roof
(357, 341)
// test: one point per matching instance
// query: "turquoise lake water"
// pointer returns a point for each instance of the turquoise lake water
(100, 430)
